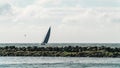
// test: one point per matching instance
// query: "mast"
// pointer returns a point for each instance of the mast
(46, 37)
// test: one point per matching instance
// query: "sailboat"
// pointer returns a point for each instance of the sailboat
(45, 41)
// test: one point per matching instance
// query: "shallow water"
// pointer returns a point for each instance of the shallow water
(58, 62)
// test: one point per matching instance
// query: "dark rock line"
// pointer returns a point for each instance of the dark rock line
(67, 51)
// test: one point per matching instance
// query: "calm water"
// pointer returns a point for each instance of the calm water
(60, 44)
(59, 62)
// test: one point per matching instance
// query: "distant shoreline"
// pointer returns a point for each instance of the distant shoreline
(67, 51)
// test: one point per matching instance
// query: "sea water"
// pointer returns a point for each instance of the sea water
(59, 62)
(60, 44)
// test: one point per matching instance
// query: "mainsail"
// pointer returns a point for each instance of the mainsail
(45, 41)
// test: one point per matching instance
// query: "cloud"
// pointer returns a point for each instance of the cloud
(83, 3)
(5, 9)
(71, 21)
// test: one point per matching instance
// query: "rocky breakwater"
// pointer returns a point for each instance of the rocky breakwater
(67, 51)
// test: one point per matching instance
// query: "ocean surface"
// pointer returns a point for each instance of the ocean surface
(59, 62)
(60, 44)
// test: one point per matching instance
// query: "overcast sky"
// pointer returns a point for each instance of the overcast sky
(72, 21)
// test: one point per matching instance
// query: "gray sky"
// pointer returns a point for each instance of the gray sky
(72, 21)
